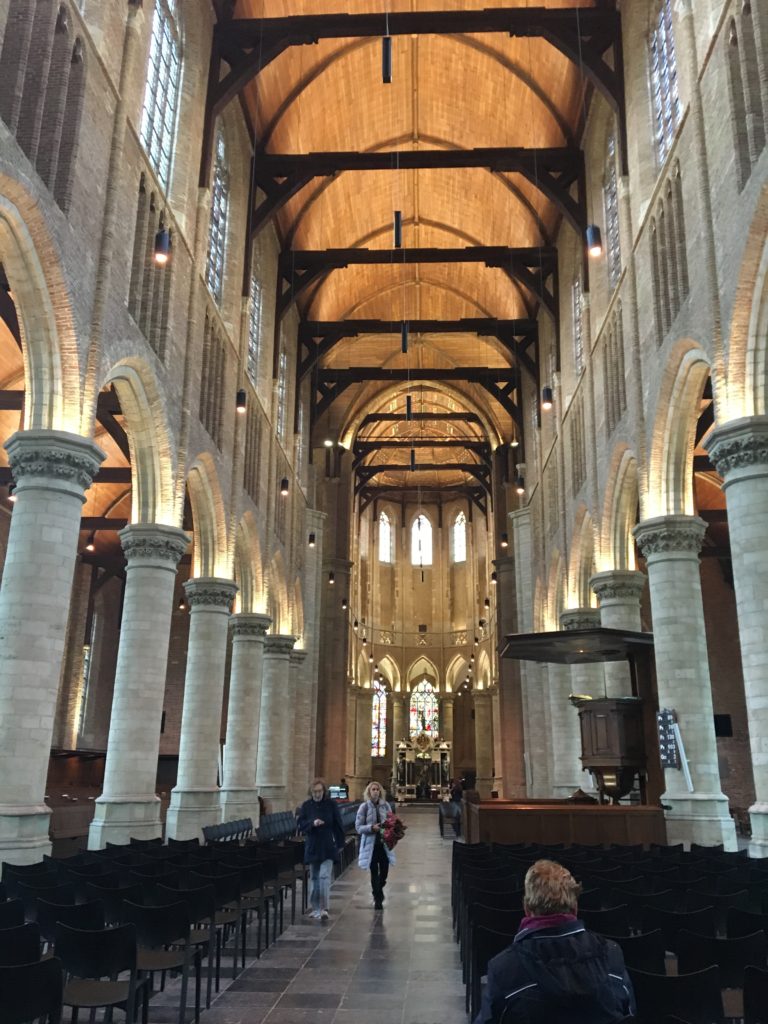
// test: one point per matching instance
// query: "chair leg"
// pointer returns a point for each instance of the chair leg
(184, 985)
(218, 959)
(244, 927)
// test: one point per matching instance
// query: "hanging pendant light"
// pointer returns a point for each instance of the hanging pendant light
(311, 541)
(594, 241)
(90, 544)
(413, 459)
(343, 604)
(520, 485)
(494, 579)
(12, 492)
(398, 229)
(546, 398)
(514, 443)
(162, 249)
(404, 337)
(331, 578)
(386, 60)
(240, 404)
(487, 602)
(408, 408)
(355, 624)
(284, 486)
(504, 540)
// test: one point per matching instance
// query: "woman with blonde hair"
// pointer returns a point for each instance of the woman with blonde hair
(320, 821)
(374, 853)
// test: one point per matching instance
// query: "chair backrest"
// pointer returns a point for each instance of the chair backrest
(486, 944)
(644, 952)
(146, 842)
(19, 945)
(98, 953)
(112, 898)
(695, 952)
(54, 894)
(200, 903)
(696, 997)
(184, 844)
(88, 916)
(11, 913)
(495, 919)
(32, 991)
(227, 887)
(158, 926)
(755, 995)
(614, 921)
(700, 921)
(742, 922)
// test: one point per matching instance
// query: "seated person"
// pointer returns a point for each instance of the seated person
(555, 971)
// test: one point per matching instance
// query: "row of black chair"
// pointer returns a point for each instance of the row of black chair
(228, 831)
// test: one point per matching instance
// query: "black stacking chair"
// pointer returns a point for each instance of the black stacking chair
(506, 922)
(86, 916)
(184, 844)
(112, 898)
(143, 843)
(90, 957)
(32, 992)
(696, 997)
(157, 929)
(19, 945)
(486, 943)
(613, 921)
(29, 894)
(229, 913)
(739, 922)
(722, 902)
(592, 899)
(11, 913)
(671, 922)
(755, 995)
(201, 907)
(643, 952)
(695, 952)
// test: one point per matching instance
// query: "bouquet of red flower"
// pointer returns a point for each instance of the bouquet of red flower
(394, 830)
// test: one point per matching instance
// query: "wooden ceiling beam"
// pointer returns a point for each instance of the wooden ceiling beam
(421, 417)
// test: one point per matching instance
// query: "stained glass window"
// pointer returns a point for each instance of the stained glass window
(217, 239)
(254, 329)
(379, 721)
(611, 203)
(460, 538)
(424, 710)
(664, 91)
(161, 95)
(385, 538)
(421, 541)
(578, 334)
(282, 394)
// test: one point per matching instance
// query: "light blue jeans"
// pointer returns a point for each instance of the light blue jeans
(320, 878)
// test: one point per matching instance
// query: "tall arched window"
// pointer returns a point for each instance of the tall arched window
(611, 203)
(254, 329)
(282, 395)
(161, 95)
(424, 715)
(217, 239)
(385, 538)
(578, 332)
(460, 538)
(379, 721)
(421, 541)
(664, 90)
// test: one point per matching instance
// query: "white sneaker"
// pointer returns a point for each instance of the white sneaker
(323, 915)
(314, 914)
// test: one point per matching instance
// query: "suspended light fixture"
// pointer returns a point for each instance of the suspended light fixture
(343, 604)
(404, 337)
(90, 544)
(504, 540)
(241, 400)
(408, 407)
(546, 398)
(355, 624)
(328, 442)
(370, 659)
(162, 249)
(471, 658)
(386, 60)
(494, 579)
(413, 458)
(520, 485)
(284, 486)
(476, 641)
(398, 229)
(594, 241)
(331, 578)
(487, 602)
(311, 540)
(365, 640)
(11, 492)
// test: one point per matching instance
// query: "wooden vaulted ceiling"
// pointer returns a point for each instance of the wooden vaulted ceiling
(447, 92)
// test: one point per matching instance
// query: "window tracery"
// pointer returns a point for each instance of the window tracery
(161, 93)
(385, 538)
(424, 710)
(254, 329)
(421, 541)
(379, 721)
(664, 84)
(460, 538)
(217, 239)
(611, 204)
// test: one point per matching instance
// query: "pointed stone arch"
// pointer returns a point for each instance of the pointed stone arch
(210, 556)
(483, 673)
(582, 561)
(297, 612)
(555, 593)
(363, 670)
(456, 673)
(48, 335)
(249, 570)
(670, 484)
(278, 605)
(420, 668)
(617, 545)
(153, 462)
(389, 669)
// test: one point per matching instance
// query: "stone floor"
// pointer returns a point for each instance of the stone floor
(396, 966)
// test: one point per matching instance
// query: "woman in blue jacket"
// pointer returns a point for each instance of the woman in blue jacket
(320, 822)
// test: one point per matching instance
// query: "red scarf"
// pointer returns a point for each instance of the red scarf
(547, 921)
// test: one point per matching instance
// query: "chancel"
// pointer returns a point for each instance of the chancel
(383, 398)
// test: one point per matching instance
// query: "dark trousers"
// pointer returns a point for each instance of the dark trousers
(379, 870)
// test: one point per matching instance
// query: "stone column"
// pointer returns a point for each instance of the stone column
(349, 771)
(498, 779)
(195, 797)
(313, 582)
(671, 546)
(587, 679)
(619, 592)
(739, 450)
(565, 733)
(511, 736)
(363, 765)
(333, 755)
(446, 717)
(399, 727)
(275, 723)
(52, 470)
(483, 742)
(128, 806)
(239, 795)
(298, 756)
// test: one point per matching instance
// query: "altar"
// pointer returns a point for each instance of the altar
(422, 768)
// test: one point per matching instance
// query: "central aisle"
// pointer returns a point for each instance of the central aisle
(396, 966)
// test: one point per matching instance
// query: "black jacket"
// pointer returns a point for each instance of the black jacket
(563, 975)
(322, 842)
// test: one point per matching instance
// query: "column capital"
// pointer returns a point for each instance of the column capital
(298, 656)
(519, 515)
(278, 643)
(579, 618)
(338, 564)
(480, 694)
(56, 456)
(315, 518)
(739, 444)
(153, 544)
(210, 592)
(618, 585)
(674, 534)
(249, 625)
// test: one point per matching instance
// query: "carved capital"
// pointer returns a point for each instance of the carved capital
(676, 534)
(580, 618)
(150, 542)
(210, 592)
(55, 457)
(740, 444)
(625, 585)
(278, 643)
(298, 656)
(249, 625)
